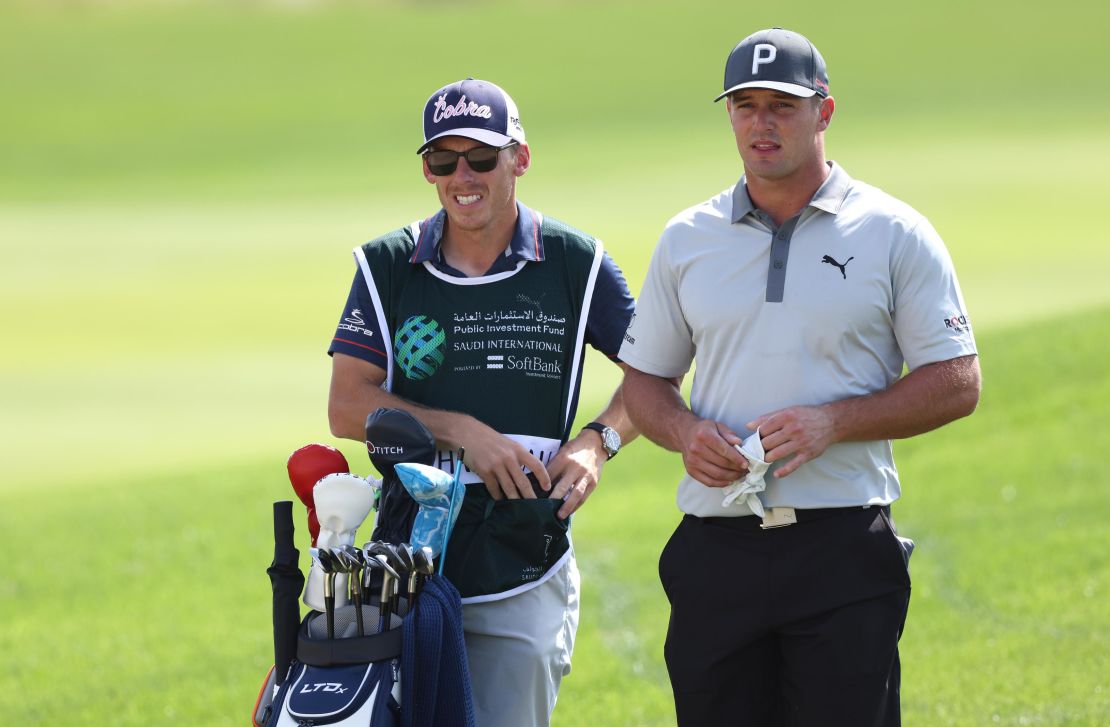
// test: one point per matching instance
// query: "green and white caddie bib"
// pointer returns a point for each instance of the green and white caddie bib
(508, 350)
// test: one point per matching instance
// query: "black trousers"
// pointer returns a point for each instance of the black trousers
(792, 626)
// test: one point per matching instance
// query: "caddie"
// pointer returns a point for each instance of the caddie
(475, 321)
(801, 293)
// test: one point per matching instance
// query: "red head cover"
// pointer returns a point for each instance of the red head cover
(306, 467)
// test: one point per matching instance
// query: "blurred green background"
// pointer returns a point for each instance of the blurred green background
(181, 184)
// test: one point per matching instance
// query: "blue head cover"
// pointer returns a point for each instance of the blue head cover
(432, 489)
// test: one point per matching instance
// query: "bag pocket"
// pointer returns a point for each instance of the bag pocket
(330, 695)
(499, 545)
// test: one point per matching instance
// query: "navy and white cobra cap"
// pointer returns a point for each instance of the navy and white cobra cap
(777, 59)
(475, 109)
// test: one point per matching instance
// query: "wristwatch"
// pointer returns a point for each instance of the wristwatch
(610, 439)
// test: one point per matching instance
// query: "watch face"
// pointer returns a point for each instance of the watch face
(611, 440)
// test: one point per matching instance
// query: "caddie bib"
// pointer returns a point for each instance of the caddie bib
(507, 349)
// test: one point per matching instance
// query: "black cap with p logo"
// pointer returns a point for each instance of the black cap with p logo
(776, 59)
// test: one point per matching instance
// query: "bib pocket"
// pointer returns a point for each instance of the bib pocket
(499, 545)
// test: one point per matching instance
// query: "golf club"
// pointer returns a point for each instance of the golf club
(408, 562)
(389, 592)
(355, 563)
(330, 567)
(373, 564)
(423, 559)
(395, 562)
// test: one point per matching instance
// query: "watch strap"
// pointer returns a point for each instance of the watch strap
(603, 430)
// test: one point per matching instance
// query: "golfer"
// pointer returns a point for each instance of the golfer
(474, 320)
(801, 293)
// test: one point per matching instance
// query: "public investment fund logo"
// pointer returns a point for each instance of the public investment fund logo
(419, 347)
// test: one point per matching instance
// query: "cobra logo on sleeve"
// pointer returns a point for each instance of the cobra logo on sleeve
(419, 347)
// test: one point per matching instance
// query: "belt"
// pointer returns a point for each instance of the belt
(778, 517)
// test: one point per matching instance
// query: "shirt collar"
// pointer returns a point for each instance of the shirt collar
(829, 197)
(527, 244)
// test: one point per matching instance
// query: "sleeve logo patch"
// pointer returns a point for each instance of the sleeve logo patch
(957, 323)
(355, 324)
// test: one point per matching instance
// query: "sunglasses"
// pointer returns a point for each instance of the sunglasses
(443, 162)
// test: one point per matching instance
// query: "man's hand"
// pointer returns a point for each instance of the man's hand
(709, 455)
(498, 461)
(655, 405)
(576, 470)
(800, 432)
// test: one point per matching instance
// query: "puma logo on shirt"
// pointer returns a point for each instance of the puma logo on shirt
(828, 259)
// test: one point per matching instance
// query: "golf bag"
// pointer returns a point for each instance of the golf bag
(347, 682)
(326, 672)
(317, 680)
(356, 681)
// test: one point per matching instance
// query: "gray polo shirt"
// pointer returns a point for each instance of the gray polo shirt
(828, 306)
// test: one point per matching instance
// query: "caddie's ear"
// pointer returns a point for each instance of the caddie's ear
(522, 159)
(826, 109)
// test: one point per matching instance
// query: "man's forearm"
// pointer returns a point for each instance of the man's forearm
(351, 402)
(925, 399)
(496, 459)
(708, 447)
(615, 414)
(655, 406)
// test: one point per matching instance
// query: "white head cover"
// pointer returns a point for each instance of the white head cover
(343, 500)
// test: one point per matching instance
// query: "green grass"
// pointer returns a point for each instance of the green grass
(163, 607)
(180, 187)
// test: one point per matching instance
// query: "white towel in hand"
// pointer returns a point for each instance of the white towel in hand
(752, 484)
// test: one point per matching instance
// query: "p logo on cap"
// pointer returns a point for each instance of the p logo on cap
(764, 53)
(779, 60)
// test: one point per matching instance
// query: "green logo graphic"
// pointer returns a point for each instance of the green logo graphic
(419, 347)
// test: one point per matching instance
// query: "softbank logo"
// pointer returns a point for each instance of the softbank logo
(495, 362)
(462, 108)
(764, 53)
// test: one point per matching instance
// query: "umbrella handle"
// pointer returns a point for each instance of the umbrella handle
(286, 611)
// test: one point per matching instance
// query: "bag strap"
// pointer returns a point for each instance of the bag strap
(344, 652)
